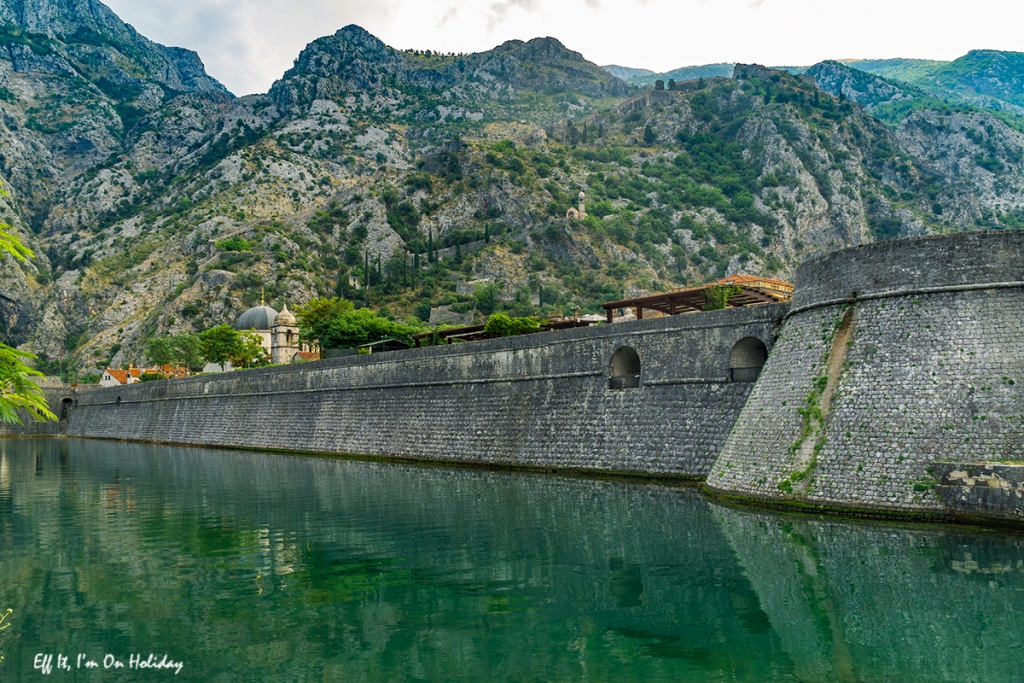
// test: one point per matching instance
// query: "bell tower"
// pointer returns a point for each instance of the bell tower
(284, 337)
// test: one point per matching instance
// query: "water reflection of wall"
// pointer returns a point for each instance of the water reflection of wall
(871, 602)
(278, 568)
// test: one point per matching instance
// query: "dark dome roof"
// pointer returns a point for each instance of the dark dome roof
(257, 318)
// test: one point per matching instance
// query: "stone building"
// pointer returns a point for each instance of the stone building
(580, 213)
(278, 332)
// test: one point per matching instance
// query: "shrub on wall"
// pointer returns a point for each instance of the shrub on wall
(502, 325)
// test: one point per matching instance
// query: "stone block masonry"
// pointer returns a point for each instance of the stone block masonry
(931, 372)
(538, 401)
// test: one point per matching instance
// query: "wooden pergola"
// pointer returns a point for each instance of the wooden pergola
(476, 332)
(753, 291)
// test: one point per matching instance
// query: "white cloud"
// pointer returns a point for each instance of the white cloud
(450, 15)
(500, 10)
(248, 44)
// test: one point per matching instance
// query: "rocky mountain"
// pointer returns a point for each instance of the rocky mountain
(905, 70)
(981, 78)
(626, 73)
(158, 202)
(987, 79)
(644, 77)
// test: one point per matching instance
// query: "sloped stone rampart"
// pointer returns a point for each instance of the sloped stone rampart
(535, 401)
(932, 373)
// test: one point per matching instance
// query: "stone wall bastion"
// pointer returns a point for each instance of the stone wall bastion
(896, 361)
(567, 400)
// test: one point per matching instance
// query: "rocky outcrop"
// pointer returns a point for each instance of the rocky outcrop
(857, 86)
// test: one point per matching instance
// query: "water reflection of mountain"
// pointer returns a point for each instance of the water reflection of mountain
(256, 567)
(878, 602)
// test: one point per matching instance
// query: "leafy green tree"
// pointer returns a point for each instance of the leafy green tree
(315, 317)
(220, 344)
(502, 325)
(9, 242)
(659, 84)
(356, 328)
(188, 351)
(335, 324)
(235, 243)
(160, 350)
(17, 390)
(250, 353)
(181, 350)
(487, 297)
(718, 297)
(649, 135)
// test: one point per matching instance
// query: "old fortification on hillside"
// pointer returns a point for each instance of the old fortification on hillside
(892, 387)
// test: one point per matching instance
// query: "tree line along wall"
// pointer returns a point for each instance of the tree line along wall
(894, 356)
(546, 400)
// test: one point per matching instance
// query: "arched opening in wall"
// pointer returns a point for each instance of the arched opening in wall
(65, 408)
(624, 369)
(747, 358)
(118, 401)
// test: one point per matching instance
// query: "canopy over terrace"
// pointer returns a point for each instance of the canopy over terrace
(753, 291)
(476, 332)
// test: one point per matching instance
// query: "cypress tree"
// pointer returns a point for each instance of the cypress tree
(341, 289)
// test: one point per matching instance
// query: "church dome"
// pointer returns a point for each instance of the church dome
(285, 317)
(259, 318)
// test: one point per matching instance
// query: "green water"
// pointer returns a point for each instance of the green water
(253, 567)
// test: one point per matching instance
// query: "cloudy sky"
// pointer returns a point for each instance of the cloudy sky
(247, 44)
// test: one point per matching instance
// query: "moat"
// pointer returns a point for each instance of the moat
(254, 567)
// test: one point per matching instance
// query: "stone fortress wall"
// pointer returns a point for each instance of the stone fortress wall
(545, 401)
(895, 360)
(893, 387)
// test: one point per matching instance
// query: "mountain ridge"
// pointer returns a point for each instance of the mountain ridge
(364, 161)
